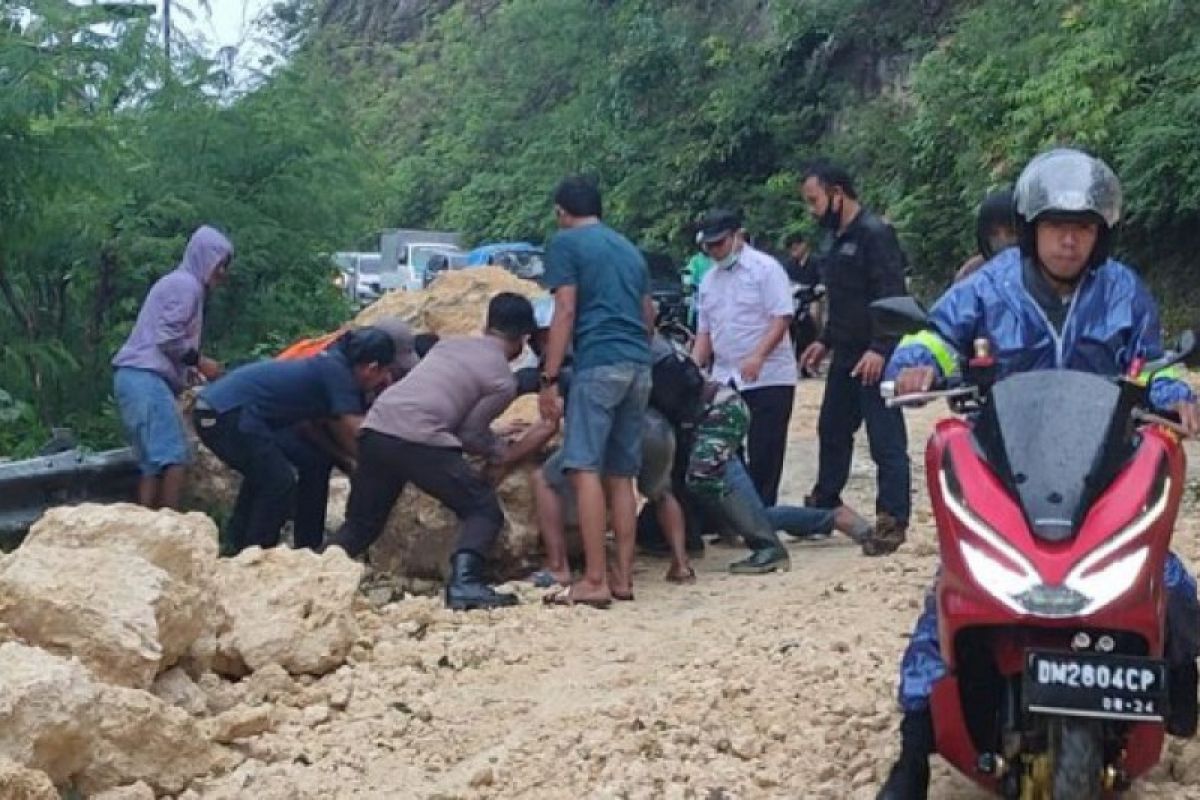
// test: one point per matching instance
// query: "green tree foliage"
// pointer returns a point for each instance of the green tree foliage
(109, 163)
(677, 106)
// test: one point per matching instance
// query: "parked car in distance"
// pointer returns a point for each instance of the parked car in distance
(520, 258)
(358, 276)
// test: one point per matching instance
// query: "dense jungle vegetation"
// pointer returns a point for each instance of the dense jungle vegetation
(463, 115)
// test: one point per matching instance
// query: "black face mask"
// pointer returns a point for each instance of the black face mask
(831, 220)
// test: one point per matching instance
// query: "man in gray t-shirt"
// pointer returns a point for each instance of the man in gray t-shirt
(418, 430)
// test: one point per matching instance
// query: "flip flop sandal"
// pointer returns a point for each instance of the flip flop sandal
(562, 597)
(681, 580)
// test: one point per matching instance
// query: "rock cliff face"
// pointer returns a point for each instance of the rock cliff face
(387, 20)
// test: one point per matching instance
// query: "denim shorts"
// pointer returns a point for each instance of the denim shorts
(654, 476)
(151, 420)
(606, 412)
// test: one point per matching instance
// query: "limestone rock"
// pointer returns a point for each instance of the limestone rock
(19, 783)
(138, 737)
(239, 723)
(174, 687)
(182, 545)
(44, 705)
(123, 617)
(455, 303)
(288, 607)
(421, 534)
(134, 791)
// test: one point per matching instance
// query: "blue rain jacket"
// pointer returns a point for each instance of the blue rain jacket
(1112, 319)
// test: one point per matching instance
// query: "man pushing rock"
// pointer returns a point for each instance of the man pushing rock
(418, 430)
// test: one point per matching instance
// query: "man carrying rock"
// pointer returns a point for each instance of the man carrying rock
(308, 444)
(154, 365)
(239, 416)
(418, 430)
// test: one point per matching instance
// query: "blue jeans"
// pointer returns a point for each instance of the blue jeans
(801, 521)
(922, 665)
(796, 520)
(846, 406)
(605, 419)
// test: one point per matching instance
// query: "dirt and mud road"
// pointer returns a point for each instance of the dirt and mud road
(735, 687)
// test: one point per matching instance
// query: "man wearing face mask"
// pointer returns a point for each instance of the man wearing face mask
(862, 263)
(745, 309)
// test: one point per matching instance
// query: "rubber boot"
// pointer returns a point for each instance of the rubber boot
(1182, 687)
(909, 778)
(466, 589)
(748, 518)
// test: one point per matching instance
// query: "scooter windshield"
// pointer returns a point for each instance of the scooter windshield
(1053, 436)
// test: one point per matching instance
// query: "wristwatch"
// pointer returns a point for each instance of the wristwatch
(545, 380)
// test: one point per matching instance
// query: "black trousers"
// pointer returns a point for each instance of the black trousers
(314, 468)
(766, 442)
(846, 405)
(268, 478)
(386, 464)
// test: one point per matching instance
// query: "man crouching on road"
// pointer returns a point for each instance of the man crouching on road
(418, 430)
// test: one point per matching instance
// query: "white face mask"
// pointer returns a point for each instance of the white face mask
(730, 259)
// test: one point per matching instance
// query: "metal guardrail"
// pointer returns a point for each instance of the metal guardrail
(29, 487)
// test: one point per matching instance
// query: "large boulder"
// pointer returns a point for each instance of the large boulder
(288, 607)
(19, 783)
(454, 304)
(137, 737)
(123, 617)
(45, 706)
(182, 545)
(421, 534)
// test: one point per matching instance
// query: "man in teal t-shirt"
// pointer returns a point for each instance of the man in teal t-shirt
(602, 307)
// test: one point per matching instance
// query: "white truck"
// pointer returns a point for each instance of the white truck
(405, 254)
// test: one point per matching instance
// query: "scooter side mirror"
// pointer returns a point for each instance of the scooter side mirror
(893, 317)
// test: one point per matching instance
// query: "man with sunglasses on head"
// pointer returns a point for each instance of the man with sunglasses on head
(746, 307)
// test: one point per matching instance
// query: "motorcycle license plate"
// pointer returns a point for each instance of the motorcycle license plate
(1095, 685)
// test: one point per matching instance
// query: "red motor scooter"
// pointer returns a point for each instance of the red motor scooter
(1055, 500)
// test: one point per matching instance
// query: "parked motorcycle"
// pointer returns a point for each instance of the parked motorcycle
(1055, 500)
(673, 312)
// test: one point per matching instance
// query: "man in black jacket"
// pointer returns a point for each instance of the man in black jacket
(862, 263)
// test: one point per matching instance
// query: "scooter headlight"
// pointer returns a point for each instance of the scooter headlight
(1102, 577)
(1111, 570)
(997, 566)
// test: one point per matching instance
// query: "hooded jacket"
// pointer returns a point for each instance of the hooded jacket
(168, 325)
(1110, 321)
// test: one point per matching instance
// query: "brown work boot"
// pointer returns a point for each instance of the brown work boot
(887, 536)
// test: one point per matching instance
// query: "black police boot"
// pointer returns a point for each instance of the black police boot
(1182, 687)
(909, 778)
(466, 589)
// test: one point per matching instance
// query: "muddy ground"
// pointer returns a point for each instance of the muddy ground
(735, 687)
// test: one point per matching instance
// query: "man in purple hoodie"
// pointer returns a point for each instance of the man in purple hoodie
(153, 366)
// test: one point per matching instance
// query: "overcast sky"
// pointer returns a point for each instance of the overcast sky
(230, 23)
